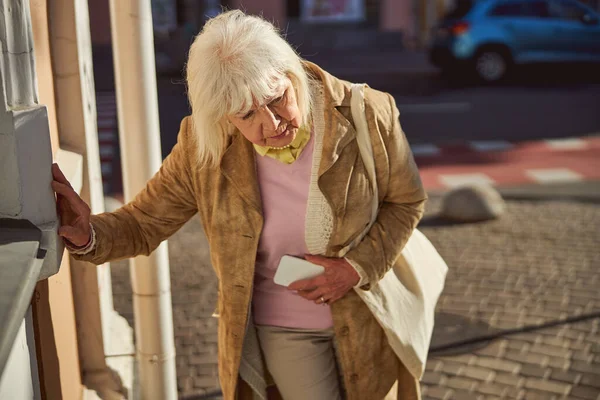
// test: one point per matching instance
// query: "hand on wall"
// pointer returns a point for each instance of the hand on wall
(74, 213)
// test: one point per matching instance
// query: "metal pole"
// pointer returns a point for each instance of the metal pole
(135, 78)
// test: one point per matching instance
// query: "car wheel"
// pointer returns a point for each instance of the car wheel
(491, 65)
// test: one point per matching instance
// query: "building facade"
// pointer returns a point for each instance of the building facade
(171, 16)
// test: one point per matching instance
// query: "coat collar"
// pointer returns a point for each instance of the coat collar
(337, 92)
(337, 130)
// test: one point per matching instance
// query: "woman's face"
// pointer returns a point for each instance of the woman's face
(274, 123)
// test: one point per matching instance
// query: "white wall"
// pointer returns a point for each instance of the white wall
(20, 377)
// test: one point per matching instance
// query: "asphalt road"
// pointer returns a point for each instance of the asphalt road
(537, 103)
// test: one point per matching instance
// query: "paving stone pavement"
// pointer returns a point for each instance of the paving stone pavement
(537, 264)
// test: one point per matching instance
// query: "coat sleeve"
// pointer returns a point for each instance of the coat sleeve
(159, 210)
(401, 208)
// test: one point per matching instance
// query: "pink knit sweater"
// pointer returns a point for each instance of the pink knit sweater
(284, 191)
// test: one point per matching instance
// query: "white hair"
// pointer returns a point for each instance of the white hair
(236, 61)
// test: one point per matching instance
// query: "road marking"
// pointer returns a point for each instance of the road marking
(105, 150)
(106, 103)
(456, 180)
(566, 144)
(490, 145)
(425, 150)
(434, 108)
(106, 123)
(553, 175)
(106, 136)
(106, 168)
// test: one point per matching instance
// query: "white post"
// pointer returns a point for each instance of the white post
(139, 137)
(104, 339)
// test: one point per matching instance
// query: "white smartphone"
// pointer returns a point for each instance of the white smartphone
(292, 269)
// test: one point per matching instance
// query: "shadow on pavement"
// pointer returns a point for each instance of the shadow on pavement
(552, 76)
(462, 156)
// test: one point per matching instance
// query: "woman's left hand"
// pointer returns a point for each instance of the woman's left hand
(339, 278)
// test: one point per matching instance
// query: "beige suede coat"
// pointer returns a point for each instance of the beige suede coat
(227, 198)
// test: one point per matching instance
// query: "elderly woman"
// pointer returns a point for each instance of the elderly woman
(269, 160)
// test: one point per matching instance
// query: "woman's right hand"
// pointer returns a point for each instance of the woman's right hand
(73, 211)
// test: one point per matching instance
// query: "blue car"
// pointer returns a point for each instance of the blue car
(490, 36)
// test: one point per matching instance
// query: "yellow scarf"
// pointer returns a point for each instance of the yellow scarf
(289, 154)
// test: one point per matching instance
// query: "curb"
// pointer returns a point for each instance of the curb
(581, 192)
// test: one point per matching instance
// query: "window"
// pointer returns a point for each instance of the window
(566, 10)
(537, 9)
(532, 9)
(513, 9)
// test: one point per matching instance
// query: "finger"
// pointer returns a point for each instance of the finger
(302, 294)
(306, 295)
(308, 284)
(318, 260)
(321, 300)
(69, 202)
(314, 294)
(58, 175)
(64, 190)
(76, 203)
(334, 299)
(317, 293)
(303, 284)
(334, 295)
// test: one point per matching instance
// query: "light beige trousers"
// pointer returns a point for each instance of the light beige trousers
(302, 362)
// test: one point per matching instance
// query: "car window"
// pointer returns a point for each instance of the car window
(537, 9)
(566, 10)
(511, 9)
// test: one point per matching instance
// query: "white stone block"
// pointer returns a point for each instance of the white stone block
(473, 203)
(26, 161)
(25, 177)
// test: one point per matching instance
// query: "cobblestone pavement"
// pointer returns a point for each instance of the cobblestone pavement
(538, 264)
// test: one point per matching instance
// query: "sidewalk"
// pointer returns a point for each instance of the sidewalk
(537, 264)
